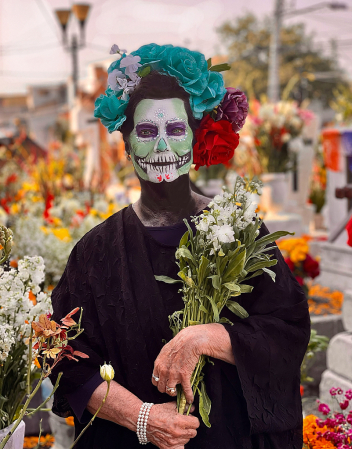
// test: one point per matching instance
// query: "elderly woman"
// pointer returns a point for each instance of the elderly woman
(156, 97)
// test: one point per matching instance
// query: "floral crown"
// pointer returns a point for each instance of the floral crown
(222, 111)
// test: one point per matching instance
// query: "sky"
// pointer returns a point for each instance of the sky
(31, 50)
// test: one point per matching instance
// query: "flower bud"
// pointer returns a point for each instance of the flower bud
(107, 372)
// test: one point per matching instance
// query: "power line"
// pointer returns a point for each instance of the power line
(49, 19)
(29, 50)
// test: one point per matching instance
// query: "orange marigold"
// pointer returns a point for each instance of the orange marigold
(310, 438)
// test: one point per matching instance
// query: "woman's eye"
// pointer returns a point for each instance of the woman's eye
(146, 132)
(177, 130)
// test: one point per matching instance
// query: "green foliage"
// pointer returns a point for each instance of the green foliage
(317, 343)
(248, 41)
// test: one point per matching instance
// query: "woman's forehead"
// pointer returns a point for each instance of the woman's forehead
(160, 110)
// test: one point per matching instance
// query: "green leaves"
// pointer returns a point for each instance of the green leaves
(184, 240)
(220, 67)
(260, 265)
(237, 309)
(215, 309)
(215, 281)
(204, 404)
(235, 266)
(167, 280)
(185, 253)
(144, 71)
(270, 238)
(203, 269)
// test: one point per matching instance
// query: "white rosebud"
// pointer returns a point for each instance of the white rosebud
(107, 372)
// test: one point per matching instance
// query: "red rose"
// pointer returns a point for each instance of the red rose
(216, 142)
(349, 232)
(299, 280)
(290, 264)
(311, 267)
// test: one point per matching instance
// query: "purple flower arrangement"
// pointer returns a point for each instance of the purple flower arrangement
(339, 424)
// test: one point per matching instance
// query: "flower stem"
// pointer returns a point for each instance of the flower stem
(93, 417)
(21, 415)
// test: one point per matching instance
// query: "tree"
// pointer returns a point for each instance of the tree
(248, 41)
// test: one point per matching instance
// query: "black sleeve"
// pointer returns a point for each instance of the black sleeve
(72, 291)
(269, 346)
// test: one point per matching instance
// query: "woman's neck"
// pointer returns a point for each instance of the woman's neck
(168, 203)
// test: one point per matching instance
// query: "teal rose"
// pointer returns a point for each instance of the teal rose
(211, 96)
(152, 53)
(110, 110)
(189, 67)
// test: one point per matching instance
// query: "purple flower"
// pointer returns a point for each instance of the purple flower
(333, 391)
(233, 108)
(324, 409)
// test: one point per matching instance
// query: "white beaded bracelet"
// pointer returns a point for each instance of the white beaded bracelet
(142, 422)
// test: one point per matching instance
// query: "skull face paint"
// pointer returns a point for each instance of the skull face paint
(161, 140)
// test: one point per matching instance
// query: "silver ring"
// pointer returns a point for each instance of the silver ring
(171, 390)
(155, 378)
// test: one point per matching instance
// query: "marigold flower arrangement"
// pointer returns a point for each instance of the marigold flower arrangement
(335, 431)
(300, 262)
(215, 264)
(222, 111)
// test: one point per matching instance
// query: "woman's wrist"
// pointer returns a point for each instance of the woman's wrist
(215, 342)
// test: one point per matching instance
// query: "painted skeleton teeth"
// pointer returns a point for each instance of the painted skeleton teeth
(163, 163)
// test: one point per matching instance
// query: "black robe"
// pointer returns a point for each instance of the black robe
(256, 404)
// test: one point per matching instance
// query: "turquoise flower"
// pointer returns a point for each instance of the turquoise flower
(110, 110)
(152, 54)
(211, 96)
(189, 67)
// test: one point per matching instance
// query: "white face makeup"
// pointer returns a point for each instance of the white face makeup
(161, 141)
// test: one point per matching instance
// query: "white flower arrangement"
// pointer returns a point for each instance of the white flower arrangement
(22, 300)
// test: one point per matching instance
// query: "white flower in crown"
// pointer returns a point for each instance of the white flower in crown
(131, 65)
(114, 78)
(115, 49)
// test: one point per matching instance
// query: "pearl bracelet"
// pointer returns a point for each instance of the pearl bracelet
(142, 422)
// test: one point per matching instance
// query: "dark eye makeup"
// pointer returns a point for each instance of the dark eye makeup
(146, 130)
(176, 129)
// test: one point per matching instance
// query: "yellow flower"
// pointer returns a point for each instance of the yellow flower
(45, 230)
(62, 234)
(107, 372)
(15, 208)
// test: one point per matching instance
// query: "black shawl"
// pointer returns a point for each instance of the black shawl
(110, 273)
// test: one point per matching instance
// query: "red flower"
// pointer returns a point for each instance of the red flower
(344, 404)
(299, 280)
(349, 232)
(301, 390)
(311, 267)
(10, 179)
(290, 264)
(216, 142)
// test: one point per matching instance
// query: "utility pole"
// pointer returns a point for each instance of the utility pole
(273, 81)
(74, 51)
(279, 13)
(80, 10)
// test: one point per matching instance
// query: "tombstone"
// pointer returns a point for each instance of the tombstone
(339, 357)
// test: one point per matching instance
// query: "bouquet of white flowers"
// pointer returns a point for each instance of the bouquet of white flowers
(21, 300)
(215, 264)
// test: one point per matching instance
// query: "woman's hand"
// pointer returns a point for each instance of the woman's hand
(167, 429)
(177, 360)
